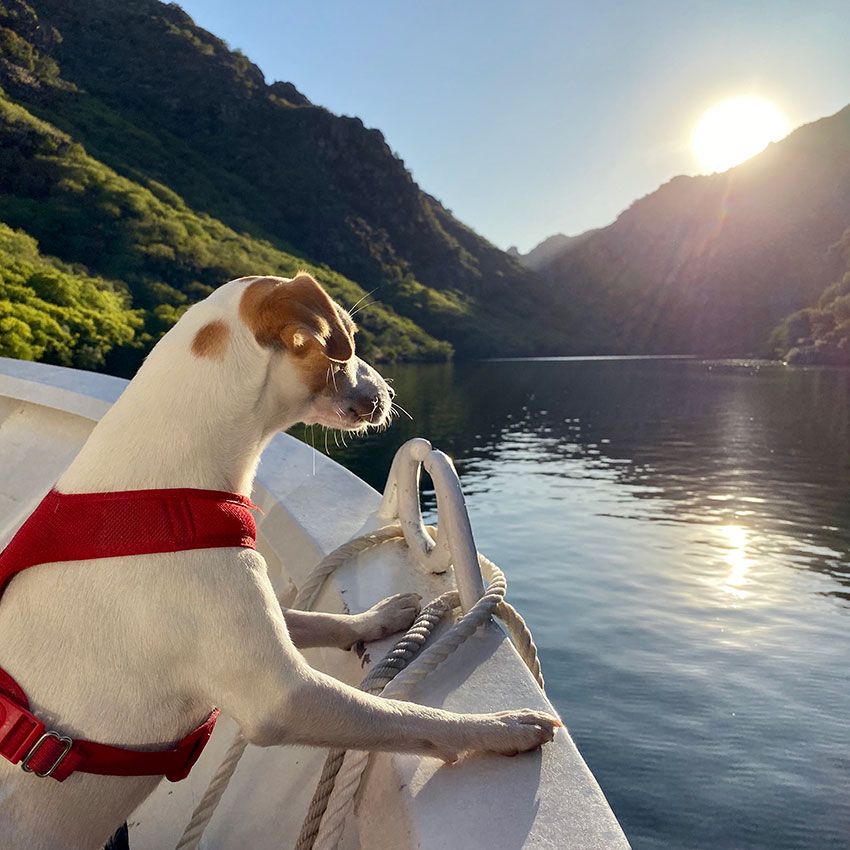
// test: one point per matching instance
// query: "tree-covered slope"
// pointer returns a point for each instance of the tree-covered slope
(55, 312)
(145, 236)
(162, 103)
(710, 265)
(820, 333)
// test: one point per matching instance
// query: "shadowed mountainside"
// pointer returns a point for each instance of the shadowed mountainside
(711, 264)
(820, 333)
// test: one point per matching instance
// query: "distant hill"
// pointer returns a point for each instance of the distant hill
(540, 256)
(711, 264)
(180, 135)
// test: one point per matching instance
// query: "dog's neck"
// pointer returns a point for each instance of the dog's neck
(183, 422)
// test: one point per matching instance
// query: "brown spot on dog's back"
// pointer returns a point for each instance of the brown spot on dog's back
(211, 340)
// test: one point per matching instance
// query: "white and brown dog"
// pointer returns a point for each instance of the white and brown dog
(137, 650)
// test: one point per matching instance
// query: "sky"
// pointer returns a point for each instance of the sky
(538, 117)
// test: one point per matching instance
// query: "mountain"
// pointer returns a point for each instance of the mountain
(711, 264)
(141, 148)
(540, 256)
(143, 163)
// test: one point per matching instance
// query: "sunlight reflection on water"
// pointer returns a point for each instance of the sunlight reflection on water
(737, 559)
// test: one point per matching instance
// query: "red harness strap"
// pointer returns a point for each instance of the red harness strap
(86, 526)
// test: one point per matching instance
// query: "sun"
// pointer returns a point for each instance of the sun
(736, 129)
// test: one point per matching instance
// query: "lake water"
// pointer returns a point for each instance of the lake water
(677, 534)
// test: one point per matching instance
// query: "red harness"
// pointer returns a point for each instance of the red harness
(86, 526)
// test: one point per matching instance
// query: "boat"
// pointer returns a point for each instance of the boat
(312, 506)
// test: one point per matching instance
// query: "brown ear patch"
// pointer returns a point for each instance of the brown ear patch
(298, 315)
(211, 340)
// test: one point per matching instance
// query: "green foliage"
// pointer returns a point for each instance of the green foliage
(129, 223)
(143, 235)
(819, 334)
(50, 311)
(21, 37)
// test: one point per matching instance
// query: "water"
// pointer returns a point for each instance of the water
(678, 535)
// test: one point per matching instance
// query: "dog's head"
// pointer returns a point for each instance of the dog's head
(307, 344)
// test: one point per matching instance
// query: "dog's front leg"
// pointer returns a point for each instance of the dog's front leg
(321, 711)
(251, 668)
(390, 615)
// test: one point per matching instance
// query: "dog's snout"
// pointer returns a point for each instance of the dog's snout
(365, 408)
(360, 397)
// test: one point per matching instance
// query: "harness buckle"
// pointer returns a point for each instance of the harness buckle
(19, 729)
(62, 739)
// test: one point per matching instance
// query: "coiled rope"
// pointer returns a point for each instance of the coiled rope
(391, 677)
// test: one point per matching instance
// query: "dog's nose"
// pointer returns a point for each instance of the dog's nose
(365, 408)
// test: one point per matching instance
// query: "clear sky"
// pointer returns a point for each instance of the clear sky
(533, 117)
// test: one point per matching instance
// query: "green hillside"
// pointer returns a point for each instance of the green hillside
(52, 311)
(144, 236)
(170, 165)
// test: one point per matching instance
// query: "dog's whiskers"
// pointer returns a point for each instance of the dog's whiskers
(397, 406)
(354, 305)
(353, 313)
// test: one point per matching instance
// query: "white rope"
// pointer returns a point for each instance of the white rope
(314, 582)
(340, 795)
(204, 811)
(391, 677)
(405, 649)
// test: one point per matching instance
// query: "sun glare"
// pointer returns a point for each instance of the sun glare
(736, 129)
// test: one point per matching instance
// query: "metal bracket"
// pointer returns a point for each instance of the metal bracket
(455, 545)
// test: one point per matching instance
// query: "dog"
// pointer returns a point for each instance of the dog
(136, 650)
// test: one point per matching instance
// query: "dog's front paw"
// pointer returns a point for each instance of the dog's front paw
(390, 615)
(512, 732)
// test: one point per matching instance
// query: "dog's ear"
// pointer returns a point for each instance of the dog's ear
(299, 315)
(314, 319)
